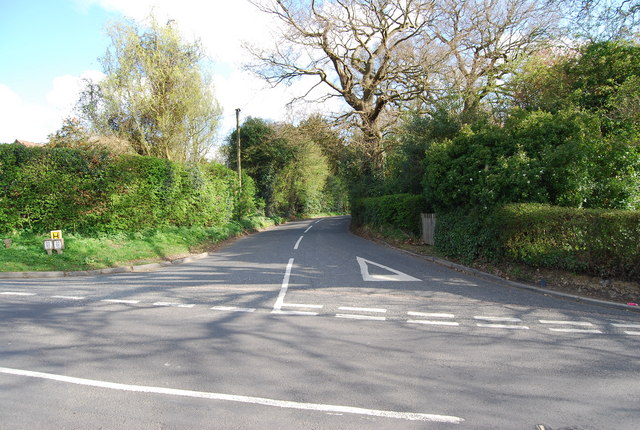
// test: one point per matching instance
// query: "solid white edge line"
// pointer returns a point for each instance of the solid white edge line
(580, 323)
(173, 305)
(626, 325)
(430, 315)
(300, 305)
(285, 286)
(497, 319)
(515, 327)
(574, 330)
(125, 302)
(410, 416)
(232, 309)
(360, 317)
(68, 297)
(352, 309)
(298, 242)
(428, 322)
(12, 293)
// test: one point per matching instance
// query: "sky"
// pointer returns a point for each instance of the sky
(47, 47)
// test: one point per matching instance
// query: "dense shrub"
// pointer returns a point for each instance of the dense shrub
(593, 241)
(86, 191)
(398, 210)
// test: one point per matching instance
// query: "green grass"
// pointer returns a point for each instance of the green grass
(89, 253)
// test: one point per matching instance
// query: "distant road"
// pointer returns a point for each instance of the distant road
(306, 326)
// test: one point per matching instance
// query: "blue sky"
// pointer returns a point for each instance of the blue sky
(48, 46)
(42, 39)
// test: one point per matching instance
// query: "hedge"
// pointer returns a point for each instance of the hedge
(398, 210)
(42, 189)
(597, 242)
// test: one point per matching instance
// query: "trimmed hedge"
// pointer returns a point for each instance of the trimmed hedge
(42, 189)
(598, 242)
(398, 210)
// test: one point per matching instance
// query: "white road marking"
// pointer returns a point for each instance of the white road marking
(173, 305)
(575, 330)
(308, 228)
(68, 297)
(430, 322)
(13, 293)
(347, 308)
(411, 416)
(506, 326)
(397, 277)
(497, 319)
(300, 305)
(632, 333)
(298, 243)
(626, 325)
(125, 302)
(430, 315)
(360, 317)
(232, 309)
(301, 313)
(578, 323)
(277, 307)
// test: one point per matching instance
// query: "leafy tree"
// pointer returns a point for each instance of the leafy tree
(155, 95)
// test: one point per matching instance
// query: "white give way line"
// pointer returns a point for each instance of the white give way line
(411, 416)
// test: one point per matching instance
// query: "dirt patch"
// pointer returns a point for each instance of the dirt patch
(616, 290)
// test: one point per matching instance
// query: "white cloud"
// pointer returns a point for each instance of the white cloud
(20, 119)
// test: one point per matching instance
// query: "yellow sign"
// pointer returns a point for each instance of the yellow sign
(56, 234)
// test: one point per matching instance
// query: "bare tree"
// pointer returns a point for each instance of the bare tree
(370, 53)
(486, 39)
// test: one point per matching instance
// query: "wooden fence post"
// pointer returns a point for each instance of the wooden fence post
(428, 228)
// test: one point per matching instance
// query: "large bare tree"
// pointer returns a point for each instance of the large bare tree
(370, 53)
(487, 39)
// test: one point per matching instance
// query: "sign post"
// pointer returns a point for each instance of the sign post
(55, 243)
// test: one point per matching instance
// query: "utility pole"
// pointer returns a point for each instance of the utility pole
(238, 139)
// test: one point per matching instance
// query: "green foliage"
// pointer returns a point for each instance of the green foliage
(397, 210)
(155, 95)
(560, 158)
(593, 241)
(43, 189)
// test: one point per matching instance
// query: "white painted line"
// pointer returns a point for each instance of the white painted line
(173, 305)
(308, 228)
(497, 319)
(578, 323)
(575, 330)
(626, 325)
(301, 313)
(429, 322)
(396, 277)
(285, 286)
(12, 293)
(514, 327)
(360, 317)
(232, 309)
(125, 302)
(410, 416)
(299, 305)
(632, 333)
(298, 243)
(430, 315)
(350, 309)
(68, 297)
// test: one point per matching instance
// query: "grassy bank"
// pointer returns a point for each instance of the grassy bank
(89, 253)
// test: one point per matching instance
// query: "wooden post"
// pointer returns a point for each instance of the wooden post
(428, 228)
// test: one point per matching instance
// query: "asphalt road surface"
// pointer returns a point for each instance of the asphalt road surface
(306, 326)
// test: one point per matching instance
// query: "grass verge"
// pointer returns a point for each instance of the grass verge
(88, 253)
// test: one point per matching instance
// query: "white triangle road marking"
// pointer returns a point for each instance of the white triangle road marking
(398, 277)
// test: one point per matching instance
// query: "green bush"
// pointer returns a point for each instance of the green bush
(43, 189)
(598, 242)
(398, 210)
